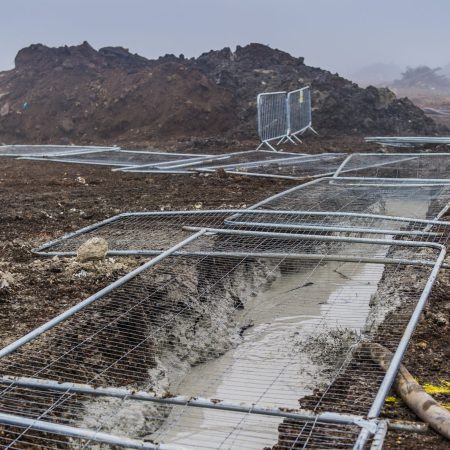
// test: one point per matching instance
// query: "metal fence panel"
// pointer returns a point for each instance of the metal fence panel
(299, 110)
(272, 116)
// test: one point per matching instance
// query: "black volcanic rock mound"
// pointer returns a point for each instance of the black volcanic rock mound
(80, 94)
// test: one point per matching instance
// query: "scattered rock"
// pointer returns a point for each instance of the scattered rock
(441, 320)
(422, 345)
(114, 93)
(6, 280)
(94, 249)
(4, 110)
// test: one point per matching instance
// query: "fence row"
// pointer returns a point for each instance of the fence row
(283, 115)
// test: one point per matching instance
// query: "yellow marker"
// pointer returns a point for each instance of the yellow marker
(443, 388)
(301, 97)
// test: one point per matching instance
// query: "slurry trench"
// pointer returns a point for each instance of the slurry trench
(272, 365)
(270, 368)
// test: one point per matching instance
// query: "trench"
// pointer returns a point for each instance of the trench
(270, 367)
(284, 304)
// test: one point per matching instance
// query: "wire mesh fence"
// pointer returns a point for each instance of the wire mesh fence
(299, 111)
(324, 206)
(423, 166)
(408, 141)
(221, 161)
(292, 168)
(250, 328)
(121, 158)
(153, 333)
(42, 150)
(262, 163)
(272, 117)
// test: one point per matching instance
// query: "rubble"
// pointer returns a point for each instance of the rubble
(82, 95)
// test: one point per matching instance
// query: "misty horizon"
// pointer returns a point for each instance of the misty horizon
(343, 37)
(375, 73)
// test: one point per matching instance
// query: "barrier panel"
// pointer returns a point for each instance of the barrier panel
(283, 116)
(299, 111)
(272, 117)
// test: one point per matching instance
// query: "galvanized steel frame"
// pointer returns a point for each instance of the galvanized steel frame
(120, 165)
(402, 158)
(293, 132)
(368, 427)
(261, 115)
(371, 426)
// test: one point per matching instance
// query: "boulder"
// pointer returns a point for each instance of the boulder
(94, 249)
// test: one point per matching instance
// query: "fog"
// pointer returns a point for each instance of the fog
(343, 36)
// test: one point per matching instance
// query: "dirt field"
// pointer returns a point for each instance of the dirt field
(41, 201)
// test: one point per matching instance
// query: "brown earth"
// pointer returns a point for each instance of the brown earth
(80, 95)
(42, 200)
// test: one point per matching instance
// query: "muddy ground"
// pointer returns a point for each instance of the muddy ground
(43, 200)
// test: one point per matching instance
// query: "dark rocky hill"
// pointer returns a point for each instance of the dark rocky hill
(79, 94)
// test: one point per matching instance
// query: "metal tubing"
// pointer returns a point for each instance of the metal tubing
(331, 228)
(250, 174)
(77, 233)
(251, 210)
(441, 213)
(54, 157)
(71, 150)
(81, 433)
(338, 170)
(237, 213)
(154, 170)
(404, 154)
(312, 237)
(78, 152)
(420, 181)
(380, 435)
(193, 163)
(181, 162)
(269, 145)
(371, 166)
(100, 294)
(408, 139)
(266, 162)
(70, 161)
(396, 360)
(289, 256)
(180, 400)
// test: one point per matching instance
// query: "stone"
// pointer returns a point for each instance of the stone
(94, 249)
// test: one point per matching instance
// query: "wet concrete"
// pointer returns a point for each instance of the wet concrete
(269, 367)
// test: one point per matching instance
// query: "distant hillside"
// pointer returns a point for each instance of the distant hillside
(378, 74)
(423, 77)
(83, 95)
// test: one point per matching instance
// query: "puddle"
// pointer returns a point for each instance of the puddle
(268, 368)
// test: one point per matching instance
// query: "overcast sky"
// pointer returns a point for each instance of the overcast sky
(339, 35)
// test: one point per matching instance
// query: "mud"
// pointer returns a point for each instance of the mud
(272, 362)
(79, 94)
(49, 201)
